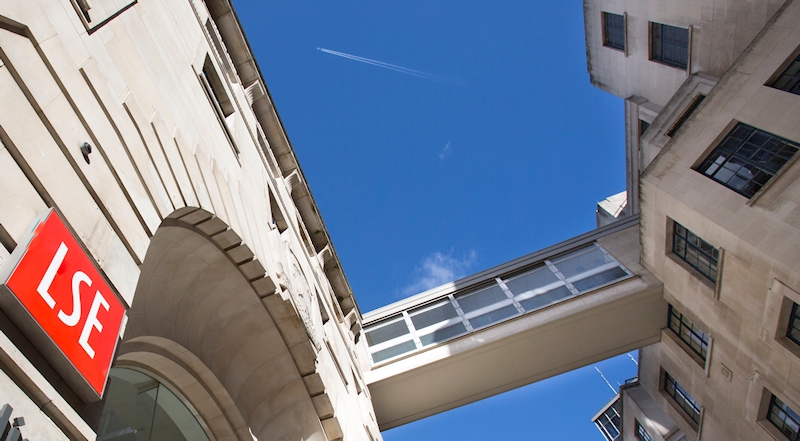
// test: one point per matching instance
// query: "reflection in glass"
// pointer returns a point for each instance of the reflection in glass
(443, 334)
(596, 280)
(582, 263)
(438, 314)
(387, 332)
(542, 300)
(393, 351)
(484, 297)
(531, 281)
(494, 316)
(139, 408)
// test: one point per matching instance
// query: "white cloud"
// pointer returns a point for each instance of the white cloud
(437, 269)
(445, 152)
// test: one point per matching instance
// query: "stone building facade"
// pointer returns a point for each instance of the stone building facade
(147, 128)
(713, 173)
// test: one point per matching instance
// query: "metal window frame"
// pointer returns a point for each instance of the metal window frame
(793, 86)
(609, 420)
(624, 30)
(687, 245)
(682, 398)
(719, 150)
(773, 403)
(692, 330)
(641, 433)
(660, 42)
(794, 322)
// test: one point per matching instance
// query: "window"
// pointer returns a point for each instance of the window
(784, 418)
(642, 434)
(747, 159)
(790, 78)
(609, 421)
(682, 398)
(669, 45)
(692, 107)
(215, 90)
(614, 31)
(698, 253)
(794, 325)
(685, 329)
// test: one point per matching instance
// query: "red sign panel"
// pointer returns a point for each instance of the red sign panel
(62, 290)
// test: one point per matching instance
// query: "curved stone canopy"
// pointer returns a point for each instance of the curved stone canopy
(192, 292)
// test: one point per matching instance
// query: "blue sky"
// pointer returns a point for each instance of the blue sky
(440, 139)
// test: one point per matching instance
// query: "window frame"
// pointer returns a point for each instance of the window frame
(674, 251)
(659, 28)
(793, 62)
(605, 26)
(640, 432)
(731, 146)
(686, 399)
(787, 411)
(218, 97)
(684, 323)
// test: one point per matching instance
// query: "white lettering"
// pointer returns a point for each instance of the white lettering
(75, 317)
(50, 274)
(92, 322)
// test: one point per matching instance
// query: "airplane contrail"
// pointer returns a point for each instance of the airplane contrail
(389, 66)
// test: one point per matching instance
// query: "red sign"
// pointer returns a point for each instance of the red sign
(62, 290)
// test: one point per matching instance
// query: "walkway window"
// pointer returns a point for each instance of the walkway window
(747, 159)
(688, 332)
(679, 395)
(493, 301)
(139, 408)
(784, 418)
(669, 45)
(695, 251)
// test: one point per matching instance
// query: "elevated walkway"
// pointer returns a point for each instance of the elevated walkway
(569, 305)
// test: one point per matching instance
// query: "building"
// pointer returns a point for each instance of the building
(141, 136)
(712, 110)
(166, 273)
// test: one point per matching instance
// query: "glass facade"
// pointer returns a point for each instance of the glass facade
(698, 253)
(546, 283)
(139, 408)
(747, 159)
(688, 332)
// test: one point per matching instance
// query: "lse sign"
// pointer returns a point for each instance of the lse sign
(62, 291)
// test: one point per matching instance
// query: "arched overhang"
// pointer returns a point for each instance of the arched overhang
(206, 314)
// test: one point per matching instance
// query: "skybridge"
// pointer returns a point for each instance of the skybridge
(552, 311)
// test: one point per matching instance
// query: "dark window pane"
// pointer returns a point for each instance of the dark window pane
(790, 78)
(682, 398)
(669, 45)
(614, 31)
(688, 332)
